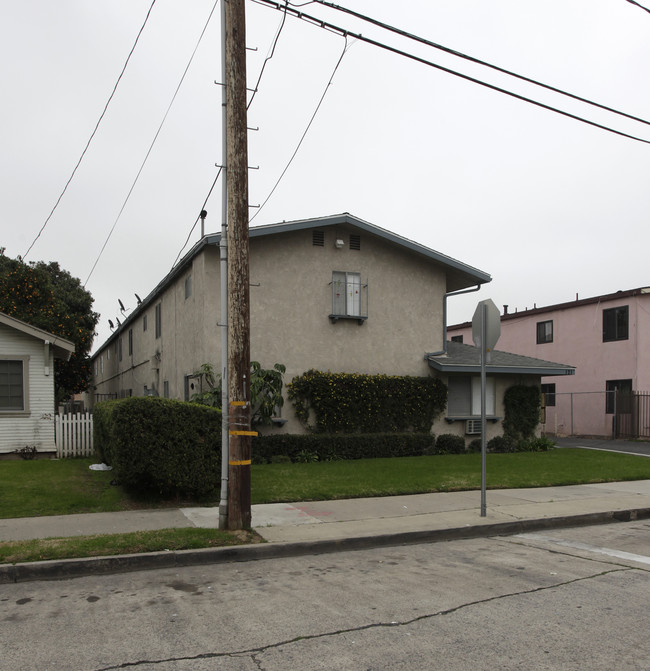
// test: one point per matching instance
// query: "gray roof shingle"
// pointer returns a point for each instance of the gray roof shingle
(462, 358)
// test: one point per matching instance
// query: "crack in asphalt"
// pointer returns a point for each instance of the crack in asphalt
(253, 653)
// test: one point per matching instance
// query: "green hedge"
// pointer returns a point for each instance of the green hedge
(162, 445)
(357, 403)
(450, 443)
(331, 447)
(522, 405)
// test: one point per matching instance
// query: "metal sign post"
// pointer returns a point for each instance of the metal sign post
(483, 420)
(486, 329)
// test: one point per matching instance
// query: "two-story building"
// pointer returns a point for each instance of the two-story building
(334, 294)
(607, 339)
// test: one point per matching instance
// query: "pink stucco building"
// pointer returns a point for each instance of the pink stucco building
(607, 339)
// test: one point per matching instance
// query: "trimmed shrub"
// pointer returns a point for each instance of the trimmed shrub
(500, 444)
(542, 444)
(450, 443)
(332, 447)
(162, 445)
(358, 403)
(474, 446)
(102, 425)
(522, 405)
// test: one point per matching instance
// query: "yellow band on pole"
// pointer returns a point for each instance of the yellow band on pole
(245, 462)
(240, 403)
(243, 433)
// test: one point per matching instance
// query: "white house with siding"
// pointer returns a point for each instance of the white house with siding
(27, 409)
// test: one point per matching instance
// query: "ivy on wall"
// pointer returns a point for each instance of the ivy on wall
(358, 403)
(522, 405)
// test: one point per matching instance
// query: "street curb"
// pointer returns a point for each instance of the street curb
(75, 568)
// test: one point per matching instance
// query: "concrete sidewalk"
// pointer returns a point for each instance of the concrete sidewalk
(363, 518)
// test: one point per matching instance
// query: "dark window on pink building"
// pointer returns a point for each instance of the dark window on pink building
(544, 332)
(616, 323)
(618, 396)
(549, 394)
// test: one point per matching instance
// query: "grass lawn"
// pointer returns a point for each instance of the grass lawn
(12, 552)
(59, 487)
(63, 487)
(445, 473)
(66, 486)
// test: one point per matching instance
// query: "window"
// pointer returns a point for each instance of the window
(130, 342)
(349, 296)
(615, 323)
(166, 388)
(464, 396)
(544, 332)
(13, 385)
(188, 286)
(615, 401)
(119, 349)
(457, 339)
(549, 394)
(318, 238)
(158, 320)
(144, 323)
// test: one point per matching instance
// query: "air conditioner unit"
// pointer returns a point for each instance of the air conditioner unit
(473, 427)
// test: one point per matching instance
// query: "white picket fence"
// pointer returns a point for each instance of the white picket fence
(74, 435)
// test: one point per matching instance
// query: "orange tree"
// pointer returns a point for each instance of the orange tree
(48, 297)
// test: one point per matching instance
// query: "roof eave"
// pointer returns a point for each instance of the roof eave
(511, 370)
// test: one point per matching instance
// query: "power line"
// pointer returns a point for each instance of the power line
(267, 59)
(313, 116)
(459, 54)
(250, 102)
(205, 202)
(92, 135)
(153, 142)
(632, 2)
(342, 31)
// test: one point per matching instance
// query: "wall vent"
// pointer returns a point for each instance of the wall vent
(318, 238)
(355, 242)
(473, 427)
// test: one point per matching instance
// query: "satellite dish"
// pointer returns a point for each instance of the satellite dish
(121, 304)
(137, 298)
(110, 323)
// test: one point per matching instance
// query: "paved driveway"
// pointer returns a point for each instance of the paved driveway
(629, 446)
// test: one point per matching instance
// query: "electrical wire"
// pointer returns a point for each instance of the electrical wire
(205, 202)
(268, 58)
(459, 54)
(342, 31)
(153, 142)
(632, 2)
(313, 116)
(250, 102)
(92, 135)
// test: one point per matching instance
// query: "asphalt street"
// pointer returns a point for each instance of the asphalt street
(561, 599)
(626, 446)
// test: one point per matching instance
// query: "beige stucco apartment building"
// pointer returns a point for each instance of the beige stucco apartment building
(334, 293)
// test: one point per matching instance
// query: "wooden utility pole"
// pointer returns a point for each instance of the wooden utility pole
(239, 462)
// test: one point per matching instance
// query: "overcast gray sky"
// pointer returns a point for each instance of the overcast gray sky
(549, 206)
